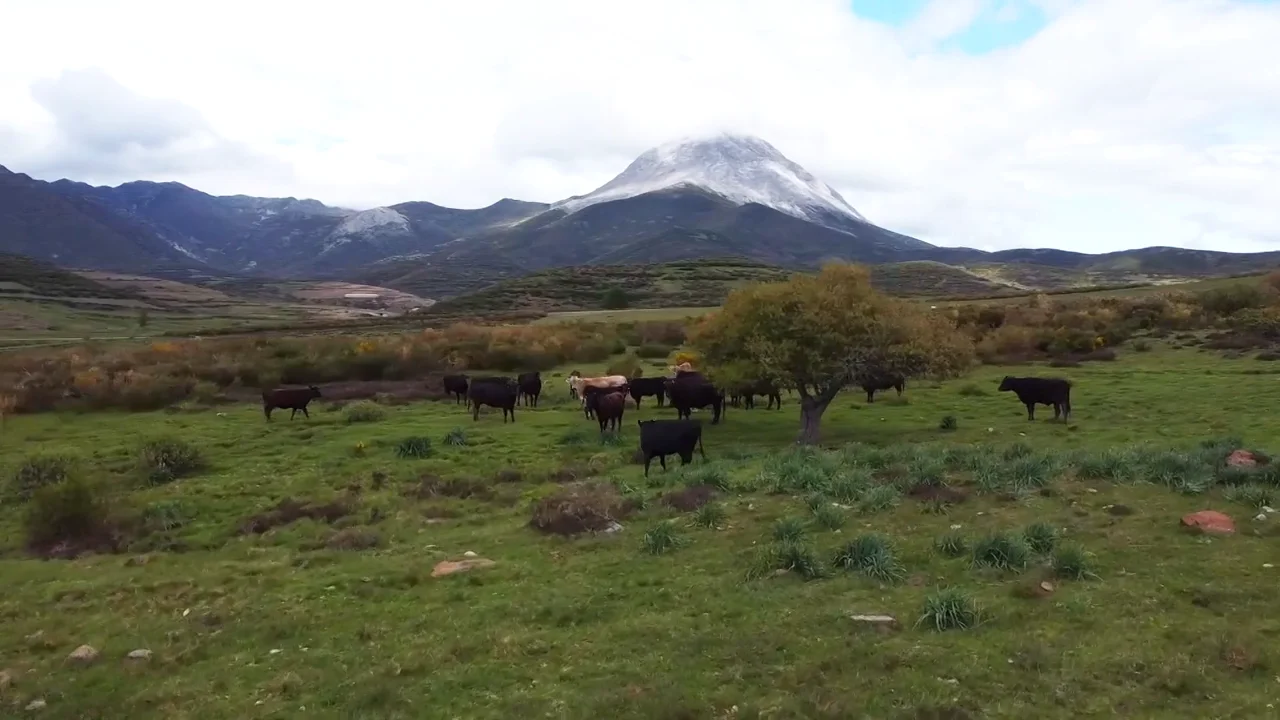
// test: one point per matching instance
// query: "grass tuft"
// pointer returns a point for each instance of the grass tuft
(879, 499)
(1041, 537)
(167, 459)
(414, 447)
(662, 538)
(456, 437)
(1002, 551)
(40, 470)
(711, 515)
(829, 517)
(790, 529)
(952, 545)
(949, 609)
(873, 556)
(365, 411)
(1071, 563)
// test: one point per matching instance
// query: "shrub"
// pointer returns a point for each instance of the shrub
(662, 538)
(70, 517)
(949, 609)
(580, 507)
(711, 515)
(628, 365)
(1040, 537)
(652, 350)
(414, 447)
(40, 470)
(1141, 346)
(167, 459)
(871, 555)
(948, 423)
(206, 393)
(1002, 551)
(362, 412)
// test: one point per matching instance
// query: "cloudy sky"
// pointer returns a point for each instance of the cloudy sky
(1085, 124)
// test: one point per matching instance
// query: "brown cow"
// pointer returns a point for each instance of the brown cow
(609, 408)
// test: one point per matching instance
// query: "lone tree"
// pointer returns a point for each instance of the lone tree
(820, 333)
(615, 298)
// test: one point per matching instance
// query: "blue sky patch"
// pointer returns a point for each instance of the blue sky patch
(1000, 24)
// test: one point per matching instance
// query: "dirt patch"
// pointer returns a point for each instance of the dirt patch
(938, 494)
(356, 538)
(581, 507)
(509, 475)
(289, 511)
(1120, 510)
(433, 486)
(690, 498)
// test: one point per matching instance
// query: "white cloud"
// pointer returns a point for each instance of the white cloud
(1124, 123)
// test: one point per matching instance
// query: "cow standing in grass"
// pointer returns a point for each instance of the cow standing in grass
(498, 392)
(691, 390)
(293, 399)
(530, 386)
(1032, 391)
(609, 408)
(645, 387)
(875, 383)
(456, 385)
(660, 438)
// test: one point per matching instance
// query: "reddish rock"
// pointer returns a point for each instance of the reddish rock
(1209, 521)
(449, 567)
(1242, 458)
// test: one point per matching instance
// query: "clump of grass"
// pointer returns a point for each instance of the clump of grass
(972, 390)
(948, 423)
(793, 557)
(871, 555)
(801, 470)
(574, 436)
(990, 481)
(414, 447)
(828, 517)
(40, 470)
(662, 538)
(1040, 537)
(1002, 551)
(1111, 464)
(789, 529)
(712, 515)
(816, 500)
(879, 498)
(1029, 473)
(457, 437)
(167, 459)
(1071, 563)
(950, 609)
(952, 545)
(1141, 346)
(363, 412)
(610, 439)
(164, 516)
(74, 514)
(928, 471)
(849, 485)
(1252, 495)
(711, 474)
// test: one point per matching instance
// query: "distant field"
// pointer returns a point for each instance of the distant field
(742, 611)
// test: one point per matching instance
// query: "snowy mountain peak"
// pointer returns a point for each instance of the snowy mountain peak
(369, 226)
(740, 168)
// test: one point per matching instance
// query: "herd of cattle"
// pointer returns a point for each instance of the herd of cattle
(605, 399)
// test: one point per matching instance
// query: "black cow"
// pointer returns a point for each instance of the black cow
(691, 390)
(745, 395)
(496, 392)
(456, 385)
(1032, 391)
(609, 407)
(530, 386)
(294, 399)
(883, 382)
(645, 387)
(660, 438)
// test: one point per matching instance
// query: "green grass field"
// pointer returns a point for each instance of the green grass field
(299, 622)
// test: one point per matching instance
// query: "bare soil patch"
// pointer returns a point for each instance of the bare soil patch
(290, 510)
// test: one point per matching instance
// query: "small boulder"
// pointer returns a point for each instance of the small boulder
(881, 623)
(83, 655)
(1242, 458)
(449, 567)
(140, 654)
(37, 704)
(1209, 521)
(469, 554)
(6, 680)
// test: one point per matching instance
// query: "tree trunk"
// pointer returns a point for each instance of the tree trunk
(811, 410)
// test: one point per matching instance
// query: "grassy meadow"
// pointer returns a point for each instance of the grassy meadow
(738, 609)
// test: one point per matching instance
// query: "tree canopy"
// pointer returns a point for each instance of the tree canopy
(819, 333)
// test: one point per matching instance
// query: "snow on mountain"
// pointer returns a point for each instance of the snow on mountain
(740, 168)
(368, 225)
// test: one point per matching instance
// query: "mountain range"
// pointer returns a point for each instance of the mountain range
(717, 196)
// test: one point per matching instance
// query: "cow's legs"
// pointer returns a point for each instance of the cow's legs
(1031, 411)
(305, 414)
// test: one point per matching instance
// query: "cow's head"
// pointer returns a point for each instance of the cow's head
(575, 385)
(1006, 384)
(315, 391)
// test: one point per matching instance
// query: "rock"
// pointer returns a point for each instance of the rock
(37, 704)
(1046, 586)
(84, 655)
(882, 623)
(449, 567)
(139, 654)
(6, 680)
(613, 527)
(1267, 510)
(1242, 458)
(1260, 517)
(468, 554)
(1209, 521)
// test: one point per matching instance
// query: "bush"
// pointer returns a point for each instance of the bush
(71, 517)
(1141, 346)
(40, 470)
(948, 423)
(653, 351)
(627, 366)
(363, 411)
(414, 447)
(167, 459)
